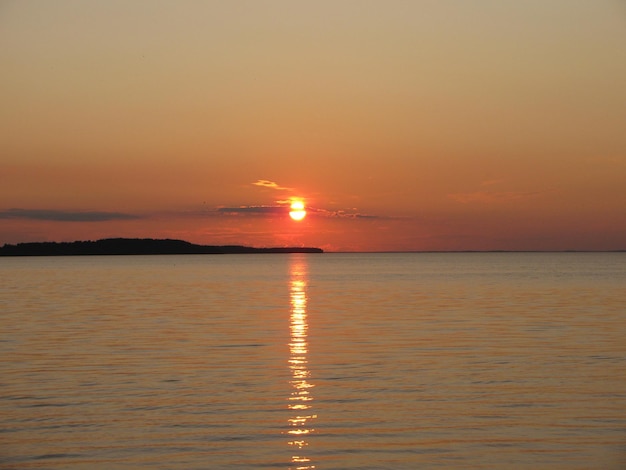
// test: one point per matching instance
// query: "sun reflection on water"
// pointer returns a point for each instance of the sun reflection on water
(300, 398)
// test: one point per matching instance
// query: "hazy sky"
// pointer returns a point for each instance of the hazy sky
(404, 125)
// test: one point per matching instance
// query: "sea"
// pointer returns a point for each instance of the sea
(314, 361)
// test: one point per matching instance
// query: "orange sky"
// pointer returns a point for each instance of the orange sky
(423, 125)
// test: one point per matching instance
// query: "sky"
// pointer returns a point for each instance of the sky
(402, 125)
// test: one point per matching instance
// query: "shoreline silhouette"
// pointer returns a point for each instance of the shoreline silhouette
(138, 246)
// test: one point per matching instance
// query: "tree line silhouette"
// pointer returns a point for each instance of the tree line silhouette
(137, 246)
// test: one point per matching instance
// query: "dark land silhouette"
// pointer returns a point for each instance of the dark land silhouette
(137, 246)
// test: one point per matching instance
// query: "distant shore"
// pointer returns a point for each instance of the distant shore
(137, 246)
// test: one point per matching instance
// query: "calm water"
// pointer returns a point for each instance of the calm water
(333, 361)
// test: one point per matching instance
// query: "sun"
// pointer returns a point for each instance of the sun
(297, 211)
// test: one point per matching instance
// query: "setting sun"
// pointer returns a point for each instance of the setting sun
(297, 210)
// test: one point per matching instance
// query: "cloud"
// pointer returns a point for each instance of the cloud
(65, 216)
(284, 209)
(342, 214)
(254, 210)
(271, 185)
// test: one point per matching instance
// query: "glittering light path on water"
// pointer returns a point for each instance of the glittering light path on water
(300, 398)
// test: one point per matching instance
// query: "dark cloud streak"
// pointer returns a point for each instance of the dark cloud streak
(282, 210)
(254, 210)
(65, 216)
(341, 214)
